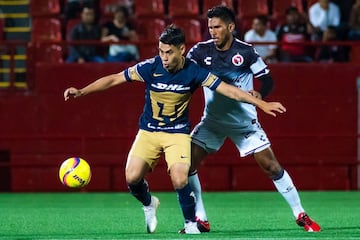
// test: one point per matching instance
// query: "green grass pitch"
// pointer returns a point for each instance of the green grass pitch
(233, 215)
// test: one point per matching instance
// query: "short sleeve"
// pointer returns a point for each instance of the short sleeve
(193, 53)
(211, 81)
(131, 74)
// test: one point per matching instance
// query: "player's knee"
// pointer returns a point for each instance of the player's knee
(275, 168)
(179, 181)
(179, 175)
(132, 177)
(272, 169)
(268, 162)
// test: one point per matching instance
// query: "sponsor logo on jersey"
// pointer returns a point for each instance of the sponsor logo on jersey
(207, 60)
(171, 87)
(177, 126)
(237, 59)
(263, 138)
(157, 74)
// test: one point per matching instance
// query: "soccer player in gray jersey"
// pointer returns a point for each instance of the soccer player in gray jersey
(237, 63)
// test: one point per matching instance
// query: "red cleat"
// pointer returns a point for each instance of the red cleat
(309, 225)
(203, 226)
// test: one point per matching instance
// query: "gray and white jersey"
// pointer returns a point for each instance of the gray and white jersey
(237, 66)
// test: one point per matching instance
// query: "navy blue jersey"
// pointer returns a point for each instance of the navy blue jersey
(236, 66)
(167, 95)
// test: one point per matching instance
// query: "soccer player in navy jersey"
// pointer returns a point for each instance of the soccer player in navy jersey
(236, 62)
(164, 126)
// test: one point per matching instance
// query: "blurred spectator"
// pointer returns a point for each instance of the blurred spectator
(86, 30)
(294, 30)
(330, 53)
(322, 15)
(345, 9)
(73, 7)
(108, 8)
(261, 33)
(354, 23)
(119, 29)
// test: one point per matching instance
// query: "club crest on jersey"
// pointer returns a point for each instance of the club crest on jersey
(237, 59)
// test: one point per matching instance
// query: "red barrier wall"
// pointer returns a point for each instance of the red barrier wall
(316, 140)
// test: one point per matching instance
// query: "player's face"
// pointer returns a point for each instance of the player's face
(171, 56)
(221, 32)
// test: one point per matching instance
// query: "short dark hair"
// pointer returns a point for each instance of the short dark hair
(263, 19)
(291, 9)
(88, 6)
(122, 9)
(222, 12)
(172, 35)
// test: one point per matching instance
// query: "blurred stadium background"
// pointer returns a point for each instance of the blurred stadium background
(317, 140)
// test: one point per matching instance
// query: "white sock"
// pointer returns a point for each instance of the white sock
(287, 189)
(196, 187)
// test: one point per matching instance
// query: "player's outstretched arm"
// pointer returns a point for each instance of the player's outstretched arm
(239, 95)
(98, 85)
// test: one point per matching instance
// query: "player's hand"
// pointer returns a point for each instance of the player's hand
(72, 92)
(272, 108)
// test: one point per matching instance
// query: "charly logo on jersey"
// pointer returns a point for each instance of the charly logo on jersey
(207, 60)
(171, 87)
(237, 59)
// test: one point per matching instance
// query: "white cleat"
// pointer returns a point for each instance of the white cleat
(190, 228)
(150, 214)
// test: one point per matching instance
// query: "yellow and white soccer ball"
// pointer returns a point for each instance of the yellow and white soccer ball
(75, 172)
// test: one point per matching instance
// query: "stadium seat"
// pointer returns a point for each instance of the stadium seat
(45, 29)
(251, 8)
(107, 7)
(44, 8)
(207, 4)
(191, 27)
(310, 3)
(244, 24)
(49, 54)
(149, 8)
(280, 6)
(149, 30)
(355, 54)
(189, 8)
(147, 50)
(46, 53)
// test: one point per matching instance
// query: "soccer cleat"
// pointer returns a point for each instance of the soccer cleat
(203, 226)
(190, 228)
(150, 214)
(305, 221)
